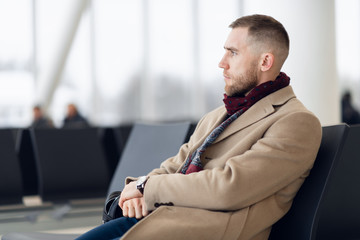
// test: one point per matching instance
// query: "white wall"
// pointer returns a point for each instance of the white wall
(312, 61)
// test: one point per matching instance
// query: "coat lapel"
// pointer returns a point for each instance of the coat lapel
(258, 111)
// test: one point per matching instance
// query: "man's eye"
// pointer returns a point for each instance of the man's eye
(233, 53)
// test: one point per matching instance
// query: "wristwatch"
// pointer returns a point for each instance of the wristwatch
(140, 184)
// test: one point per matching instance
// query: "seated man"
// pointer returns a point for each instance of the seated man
(39, 119)
(73, 118)
(244, 163)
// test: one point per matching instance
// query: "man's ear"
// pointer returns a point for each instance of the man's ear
(267, 61)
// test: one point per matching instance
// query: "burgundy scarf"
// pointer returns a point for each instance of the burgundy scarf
(235, 106)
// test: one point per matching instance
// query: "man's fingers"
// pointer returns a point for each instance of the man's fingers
(125, 210)
(121, 202)
(122, 199)
(134, 208)
(144, 212)
(138, 212)
(143, 208)
(131, 211)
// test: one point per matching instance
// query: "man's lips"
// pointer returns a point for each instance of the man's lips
(226, 76)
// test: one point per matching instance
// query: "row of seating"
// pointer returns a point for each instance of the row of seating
(66, 164)
(326, 206)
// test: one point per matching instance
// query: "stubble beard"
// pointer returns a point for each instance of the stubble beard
(242, 84)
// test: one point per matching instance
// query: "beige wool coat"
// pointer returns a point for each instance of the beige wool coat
(251, 174)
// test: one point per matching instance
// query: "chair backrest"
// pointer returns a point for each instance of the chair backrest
(340, 213)
(71, 164)
(10, 174)
(147, 146)
(301, 222)
(192, 128)
(25, 152)
(113, 140)
(122, 134)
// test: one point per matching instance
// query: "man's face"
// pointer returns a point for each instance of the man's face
(240, 64)
(37, 113)
(71, 110)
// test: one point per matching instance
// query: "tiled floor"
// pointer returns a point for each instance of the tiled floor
(75, 218)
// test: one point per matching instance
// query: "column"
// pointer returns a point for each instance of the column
(311, 64)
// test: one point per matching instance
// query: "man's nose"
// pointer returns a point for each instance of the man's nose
(223, 63)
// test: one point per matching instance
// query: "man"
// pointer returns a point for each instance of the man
(349, 114)
(245, 161)
(73, 118)
(39, 119)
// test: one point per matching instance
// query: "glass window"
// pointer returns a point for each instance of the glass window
(63, 56)
(348, 47)
(214, 19)
(170, 60)
(119, 57)
(16, 63)
(76, 83)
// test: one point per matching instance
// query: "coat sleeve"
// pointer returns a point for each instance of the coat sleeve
(282, 156)
(169, 166)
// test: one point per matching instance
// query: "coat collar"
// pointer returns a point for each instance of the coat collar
(258, 111)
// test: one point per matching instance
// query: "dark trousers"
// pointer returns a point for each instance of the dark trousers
(110, 231)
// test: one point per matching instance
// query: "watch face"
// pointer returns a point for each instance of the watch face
(140, 184)
(141, 180)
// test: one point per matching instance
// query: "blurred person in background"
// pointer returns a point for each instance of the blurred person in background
(73, 118)
(349, 114)
(39, 119)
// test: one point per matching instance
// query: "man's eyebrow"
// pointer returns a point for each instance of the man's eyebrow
(232, 49)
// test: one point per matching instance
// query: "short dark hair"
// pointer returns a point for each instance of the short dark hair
(37, 107)
(265, 29)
